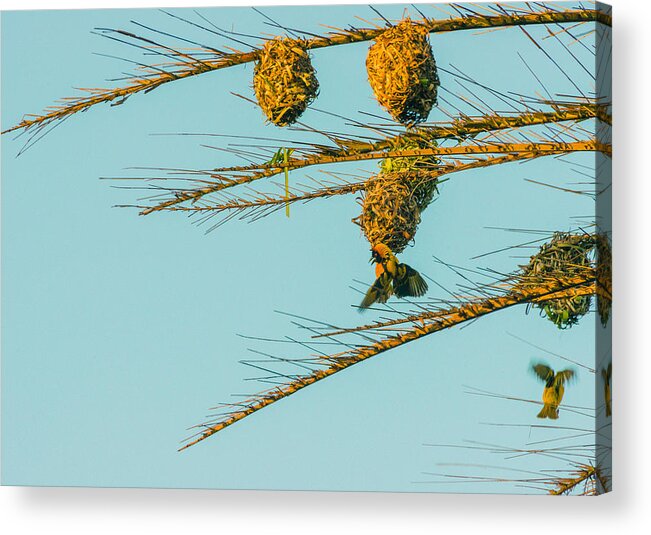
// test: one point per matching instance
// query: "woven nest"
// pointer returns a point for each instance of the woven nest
(563, 256)
(391, 207)
(604, 278)
(284, 80)
(402, 72)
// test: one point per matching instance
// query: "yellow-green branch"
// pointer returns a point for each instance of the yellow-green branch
(459, 128)
(237, 204)
(515, 151)
(428, 316)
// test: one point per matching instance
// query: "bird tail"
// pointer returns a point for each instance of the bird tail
(549, 411)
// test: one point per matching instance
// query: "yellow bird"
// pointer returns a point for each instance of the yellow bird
(607, 373)
(554, 389)
(392, 277)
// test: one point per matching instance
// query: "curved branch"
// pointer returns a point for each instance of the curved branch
(154, 77)
(514, 151)
(449, 318)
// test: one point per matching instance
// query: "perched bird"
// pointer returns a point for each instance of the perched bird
(554, 389)
(607, 373)
(392, 277)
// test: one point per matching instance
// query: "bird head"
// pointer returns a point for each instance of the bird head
(380, 252)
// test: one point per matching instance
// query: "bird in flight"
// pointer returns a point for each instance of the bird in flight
(554, 389)
(392, 278)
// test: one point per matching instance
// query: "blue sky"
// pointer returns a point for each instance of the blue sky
(120, 331)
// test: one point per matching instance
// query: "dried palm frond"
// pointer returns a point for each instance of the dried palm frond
(226, 178)
(384, 336)
(402, 72)
(179, 64)
(284, 80)
(213, 198)
(483, 131)
(586, 476)
(581, 472)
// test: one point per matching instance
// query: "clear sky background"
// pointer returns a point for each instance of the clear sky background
(120, 331)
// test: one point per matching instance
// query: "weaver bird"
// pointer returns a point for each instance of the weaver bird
(554, 389)
(607, 373)
(392, 277)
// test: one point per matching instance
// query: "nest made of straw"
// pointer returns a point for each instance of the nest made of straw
(563, 256)
(284, 80)
(402, 72)
(392, 205)
(394, 199)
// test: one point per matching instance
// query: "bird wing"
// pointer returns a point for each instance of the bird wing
(379, 292)
(542, 371)
(409, 282)
(565, 376)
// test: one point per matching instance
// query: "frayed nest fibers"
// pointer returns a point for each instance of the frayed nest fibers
(391, 207)
(284, 80)
(402, 72)
(563, 256)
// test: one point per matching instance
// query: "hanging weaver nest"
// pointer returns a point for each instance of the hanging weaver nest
(391, 207)
(563, 256)
(284, 80)
(402, 72)
(604, 278)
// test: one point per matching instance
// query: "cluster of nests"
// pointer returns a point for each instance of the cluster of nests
(566, 255)
(402, 73)
(403, 76)
(400, 65)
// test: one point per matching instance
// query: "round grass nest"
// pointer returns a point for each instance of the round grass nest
(284, 80)
(392, 205)
(402, 72)
(563, 256)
